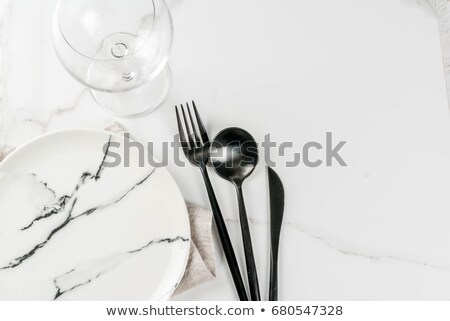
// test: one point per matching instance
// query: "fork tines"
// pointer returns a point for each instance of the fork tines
(191, 129)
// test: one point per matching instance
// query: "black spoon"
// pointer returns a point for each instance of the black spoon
(234, 156)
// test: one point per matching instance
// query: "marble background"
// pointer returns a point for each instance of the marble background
(368, 71)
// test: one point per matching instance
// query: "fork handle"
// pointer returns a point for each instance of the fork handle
(225, 238)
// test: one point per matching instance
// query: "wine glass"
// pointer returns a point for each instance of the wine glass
(117, 48)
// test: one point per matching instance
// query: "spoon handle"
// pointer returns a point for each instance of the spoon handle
(225, 238)
(248, 248)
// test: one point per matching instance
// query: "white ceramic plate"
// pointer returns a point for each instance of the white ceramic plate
(74, 228)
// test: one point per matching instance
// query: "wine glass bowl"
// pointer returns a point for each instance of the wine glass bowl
(116, 48)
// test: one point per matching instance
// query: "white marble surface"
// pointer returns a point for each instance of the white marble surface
(368, 71)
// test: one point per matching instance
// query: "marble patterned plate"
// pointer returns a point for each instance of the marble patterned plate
(75, 227)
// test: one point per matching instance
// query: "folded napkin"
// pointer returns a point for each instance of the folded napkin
(442, 8)
(201, 265)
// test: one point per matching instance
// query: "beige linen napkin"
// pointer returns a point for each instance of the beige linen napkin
(201, 265)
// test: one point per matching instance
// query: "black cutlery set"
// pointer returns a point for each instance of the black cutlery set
(233, 154)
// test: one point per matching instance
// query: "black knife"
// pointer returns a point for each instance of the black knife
(276, 194)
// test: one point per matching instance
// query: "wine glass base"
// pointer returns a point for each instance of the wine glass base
(136, 102)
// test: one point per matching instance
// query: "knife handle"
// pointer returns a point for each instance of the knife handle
(225, 238)
(273, 278)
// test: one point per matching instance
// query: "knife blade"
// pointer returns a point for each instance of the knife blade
(276, 196)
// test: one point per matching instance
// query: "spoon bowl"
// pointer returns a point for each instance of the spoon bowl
(234, 154)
